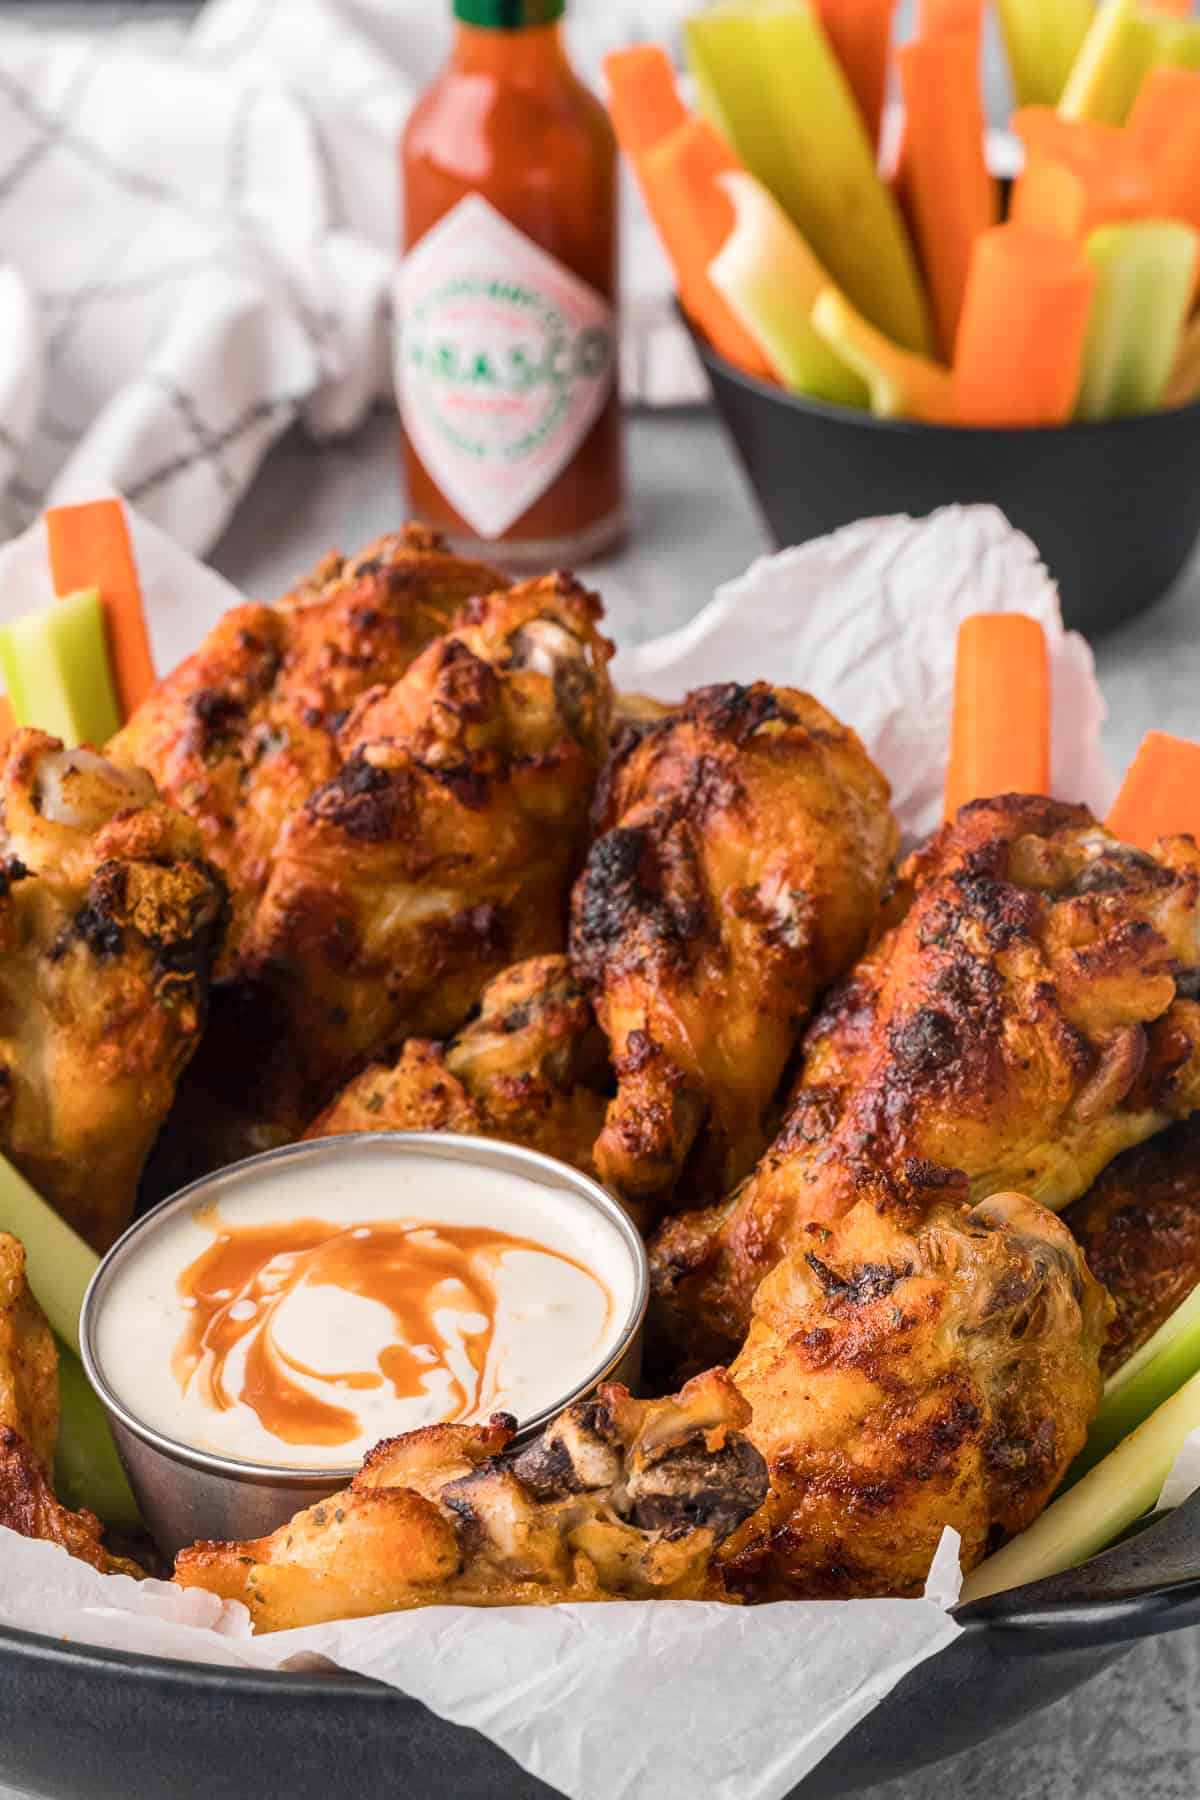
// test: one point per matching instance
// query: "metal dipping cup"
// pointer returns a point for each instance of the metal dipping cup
(187, 1494)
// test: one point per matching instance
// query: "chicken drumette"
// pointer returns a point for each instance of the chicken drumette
(744, 843)
(110, 922)
(619, 1499)
(1020, 1023)
(241, 734)
(916, 1365)
(531, 1068)
(439, 853)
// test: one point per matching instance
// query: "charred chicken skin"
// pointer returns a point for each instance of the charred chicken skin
(1139, 1229)
(531, 1068)
(619, 1499)
(111, 920)
(29, 1425)
(1021, 1022)
(744, 842)
(912, 1366)
(244, 731)
(440, 852)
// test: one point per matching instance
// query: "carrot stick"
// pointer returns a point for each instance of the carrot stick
(1181, 9)
(677, 158)
(89, 548)
(1069, 198)
(643, 98)
(937, 18)
(1023, 330)
(1000, 739)
(861, 34)
(8, 722)
(1160, 796)
(951, 18)
(1164, 127)
(950, 193)
(695, 218)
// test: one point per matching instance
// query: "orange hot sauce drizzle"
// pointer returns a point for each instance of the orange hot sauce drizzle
(414, 1269)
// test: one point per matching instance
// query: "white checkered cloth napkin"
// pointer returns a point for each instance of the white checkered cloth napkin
(197, 243)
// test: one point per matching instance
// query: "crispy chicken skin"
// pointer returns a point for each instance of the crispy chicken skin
(28, 1507)
(1019, 1023)
(28, 1360)
(912, 1367)
(619, 1499)
(1139, 1228)
(242, 733)
(110, 922)
(440, 852)
(744, 842)
(29, 1425)
(530, 1068)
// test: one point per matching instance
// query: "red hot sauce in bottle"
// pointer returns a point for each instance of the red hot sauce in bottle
(506, 351)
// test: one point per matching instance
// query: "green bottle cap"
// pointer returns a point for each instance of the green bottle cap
(509, 15)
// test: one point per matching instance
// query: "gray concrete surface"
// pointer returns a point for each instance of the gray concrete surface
(1136, 1730)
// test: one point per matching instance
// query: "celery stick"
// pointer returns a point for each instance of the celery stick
(766, 73)
(56, 668)
(1043, 38)
(1155, 1372)
(1114, 59)
(768, 277)
(58, 1264)
(87, 1469)
(901, 384)
(1146, 273)
(1176, 41)
(1098, 1508)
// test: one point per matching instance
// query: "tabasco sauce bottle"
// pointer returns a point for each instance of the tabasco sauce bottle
(506, 354)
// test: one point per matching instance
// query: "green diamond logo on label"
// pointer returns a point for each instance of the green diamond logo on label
(504, 362)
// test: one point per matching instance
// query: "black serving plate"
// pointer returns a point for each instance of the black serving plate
(83, 1724)
(1114, 508)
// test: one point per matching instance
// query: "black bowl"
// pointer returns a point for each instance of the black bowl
(1114, 508)
(83, 1724)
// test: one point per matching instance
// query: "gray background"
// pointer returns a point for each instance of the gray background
(1135, 1730)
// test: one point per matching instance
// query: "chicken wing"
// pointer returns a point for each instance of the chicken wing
(28, 1360)
(1019, 1023)
(619, 1499)
(29, 1425)
(1139, 1229)
(28, 1507)
(245, 730)
(910, 1367)
(439, 853)
(745, 842)
(110, 923)
(531, 1068)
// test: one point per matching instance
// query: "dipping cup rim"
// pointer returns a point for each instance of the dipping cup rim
(449, 1146)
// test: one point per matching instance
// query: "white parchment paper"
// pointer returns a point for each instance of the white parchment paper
(586, 1697)
(867, 620)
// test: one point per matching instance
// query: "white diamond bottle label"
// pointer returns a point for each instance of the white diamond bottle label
(504, 362)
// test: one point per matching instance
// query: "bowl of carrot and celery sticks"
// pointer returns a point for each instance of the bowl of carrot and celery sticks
(894, 331)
